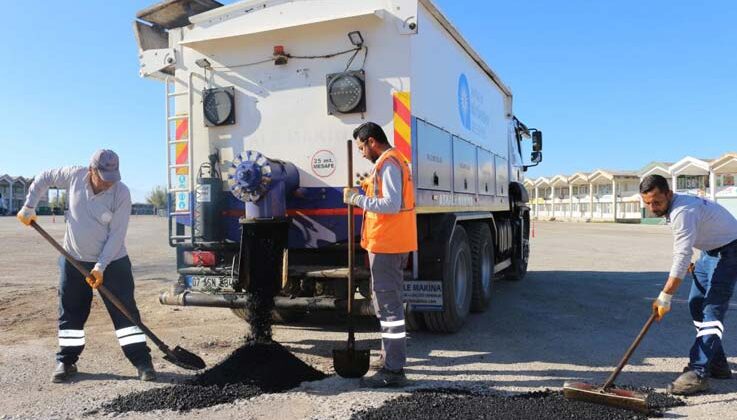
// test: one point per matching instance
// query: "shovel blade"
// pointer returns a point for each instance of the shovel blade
(184, 359)
(621, 398)
(351, 363)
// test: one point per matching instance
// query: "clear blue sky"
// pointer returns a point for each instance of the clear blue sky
(612, 84)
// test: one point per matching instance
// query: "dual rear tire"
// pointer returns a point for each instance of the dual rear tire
(457, 278)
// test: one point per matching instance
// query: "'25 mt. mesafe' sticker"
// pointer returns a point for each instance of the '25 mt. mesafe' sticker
(323, 163)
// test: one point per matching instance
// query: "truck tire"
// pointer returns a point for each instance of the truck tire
(482, 265)
(414, 321)
(521, 251)
(281, 316)
(457, 286)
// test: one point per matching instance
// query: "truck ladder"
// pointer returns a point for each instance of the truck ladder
(179, 175)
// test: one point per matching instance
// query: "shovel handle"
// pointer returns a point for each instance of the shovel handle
(629, 352)
(351, 231)
(102, 289)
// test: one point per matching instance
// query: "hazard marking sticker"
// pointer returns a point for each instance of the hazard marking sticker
(323, 163)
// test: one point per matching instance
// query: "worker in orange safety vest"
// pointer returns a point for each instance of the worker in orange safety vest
(388, 234)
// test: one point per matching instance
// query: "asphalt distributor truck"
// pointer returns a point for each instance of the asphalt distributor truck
(260, 98)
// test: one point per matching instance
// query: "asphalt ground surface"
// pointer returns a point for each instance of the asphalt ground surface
(585, 298)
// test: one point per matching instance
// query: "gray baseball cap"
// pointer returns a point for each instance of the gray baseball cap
(107, 164)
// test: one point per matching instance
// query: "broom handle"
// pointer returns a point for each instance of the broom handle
(629, 352)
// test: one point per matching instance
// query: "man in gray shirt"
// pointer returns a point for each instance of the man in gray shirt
(709, 227)
(96, 225)
(388, 234)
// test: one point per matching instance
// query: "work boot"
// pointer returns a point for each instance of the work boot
(688, 383)
(63, 372)
(385, 378)
(146, 372)
(719, 370)
(716, 371)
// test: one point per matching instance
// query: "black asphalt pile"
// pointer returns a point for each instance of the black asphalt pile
(542, 405)
(251, 370)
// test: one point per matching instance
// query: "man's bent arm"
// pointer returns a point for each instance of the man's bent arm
(59, 178)
(391, 200)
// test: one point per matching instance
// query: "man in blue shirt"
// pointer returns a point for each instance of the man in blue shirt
(709, 227)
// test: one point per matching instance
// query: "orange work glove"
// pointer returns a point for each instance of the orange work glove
(95, 278)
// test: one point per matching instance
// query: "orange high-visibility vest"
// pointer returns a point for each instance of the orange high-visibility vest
(394, 233)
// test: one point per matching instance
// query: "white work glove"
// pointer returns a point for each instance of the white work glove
(26, 215)
(350, 195)
(661, 305)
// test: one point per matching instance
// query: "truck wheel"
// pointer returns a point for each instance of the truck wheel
(482, 257)
(457, 286)
(521, 252)
(414, 321)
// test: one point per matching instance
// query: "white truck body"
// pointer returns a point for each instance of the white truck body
(436, 99)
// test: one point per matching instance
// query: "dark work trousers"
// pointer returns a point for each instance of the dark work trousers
(716, 274)
(75, 298)
(386, 283)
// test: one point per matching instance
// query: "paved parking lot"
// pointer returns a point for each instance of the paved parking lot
(586, 296)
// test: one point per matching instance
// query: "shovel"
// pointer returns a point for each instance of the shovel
(349, 362)
(178, 355)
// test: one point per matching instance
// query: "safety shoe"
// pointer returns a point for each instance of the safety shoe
(146, 372)
(63, 372)
(716, 371)
(688, 383)
(720, 371)
(385, 378)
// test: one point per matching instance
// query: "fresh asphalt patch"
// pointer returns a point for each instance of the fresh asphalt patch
(254, 369)
(541, 405)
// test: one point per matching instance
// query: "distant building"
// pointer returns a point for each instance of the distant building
(142, 208)
(13, 190)
(605, 195)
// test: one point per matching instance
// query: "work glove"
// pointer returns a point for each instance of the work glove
(95, 278)
(350, 195)
(361, 179)
(26, 215)
(661, 305)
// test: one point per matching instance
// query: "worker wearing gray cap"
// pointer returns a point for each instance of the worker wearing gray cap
(707, 226)
(96, 225)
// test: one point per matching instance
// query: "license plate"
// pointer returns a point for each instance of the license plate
(209, 282)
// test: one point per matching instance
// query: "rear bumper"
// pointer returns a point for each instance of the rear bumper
(362, 307)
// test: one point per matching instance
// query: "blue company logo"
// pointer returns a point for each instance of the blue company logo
(464, 101)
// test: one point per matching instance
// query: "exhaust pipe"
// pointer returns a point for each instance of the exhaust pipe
(362, 307)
